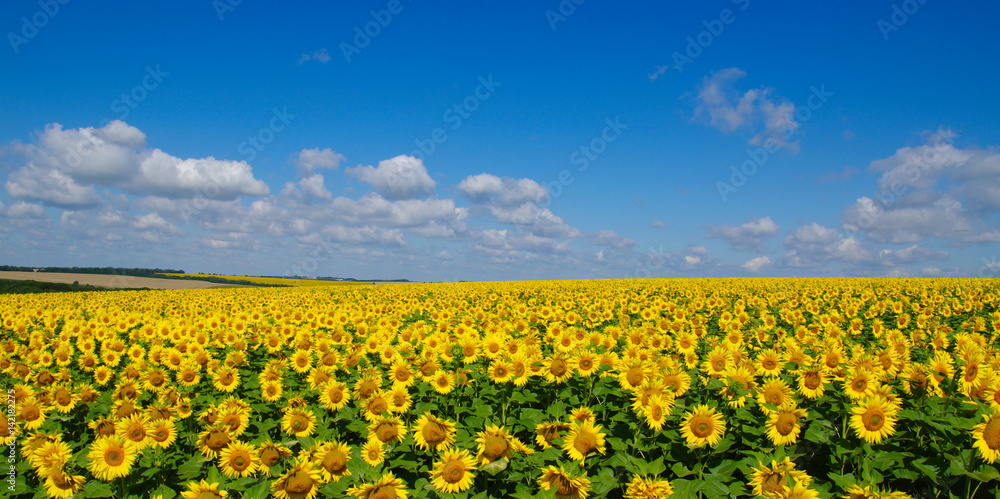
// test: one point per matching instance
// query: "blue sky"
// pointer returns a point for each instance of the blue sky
(502, 140)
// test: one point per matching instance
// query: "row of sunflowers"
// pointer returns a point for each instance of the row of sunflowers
(775, 388)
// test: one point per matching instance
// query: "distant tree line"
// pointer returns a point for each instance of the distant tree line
(9, 286)
(135, 272)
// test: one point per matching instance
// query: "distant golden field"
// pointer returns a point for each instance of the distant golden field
(273, 280)
(684, 388)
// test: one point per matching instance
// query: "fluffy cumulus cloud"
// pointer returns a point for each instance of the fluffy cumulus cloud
(402, 177)
(66, 166)
(748, 236)
(104, 191)
(757, 112)
(935, 190)
(757, 263)
(308, 161)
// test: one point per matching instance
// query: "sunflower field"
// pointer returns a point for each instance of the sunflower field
(684, 388)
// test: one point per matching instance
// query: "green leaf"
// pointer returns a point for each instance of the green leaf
(95, 488)
(494, 467)
(191, 469)
(680, 470)
(819, 431)
(687, 488)
(259, 491)
(843, 481)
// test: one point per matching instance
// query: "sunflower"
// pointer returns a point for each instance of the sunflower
(777, 479)
(331, 458)
(453, 472)
(63, 399)
(387, 428)
(51, 454)
(226, 379)
(334, 395)
(135, 429)
(500, 371)
(769, 363)
(431, 433)
(443, 382)
(213, 439)
(375, 406)
(301, 481)
(60, 484)
(859, 383)
(400, 399)
(495, 443)
(373, 452)
(717, 361)
(298, 422)
(111, 457)
(874, 419)
(648, 488)
(775, 392)
(366, 386)
(986, 437)
(812, 382)
(388, 487)
(677, 381)
(799, 491)
(585, 363)
(656, 411)
(557, 369)
(162, 433)
(271, 391)
(31, 412)
(783, 426)
(584, 438)
(155, 380)
(702, 426)
(545, 433)
(271, 454)
(239, 460)
(203, 490)
(566, 485)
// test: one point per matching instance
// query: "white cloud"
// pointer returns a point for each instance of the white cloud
(66, 165)
(750, 235)
(755, 264)
(402, 177)
(307, 161)
(164, 175)
(935, 190)
(757, 111)
(322, 55)
(490, 189)
(658, 224)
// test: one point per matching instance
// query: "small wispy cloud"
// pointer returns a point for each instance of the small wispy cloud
(757, 111)
(320, 55)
